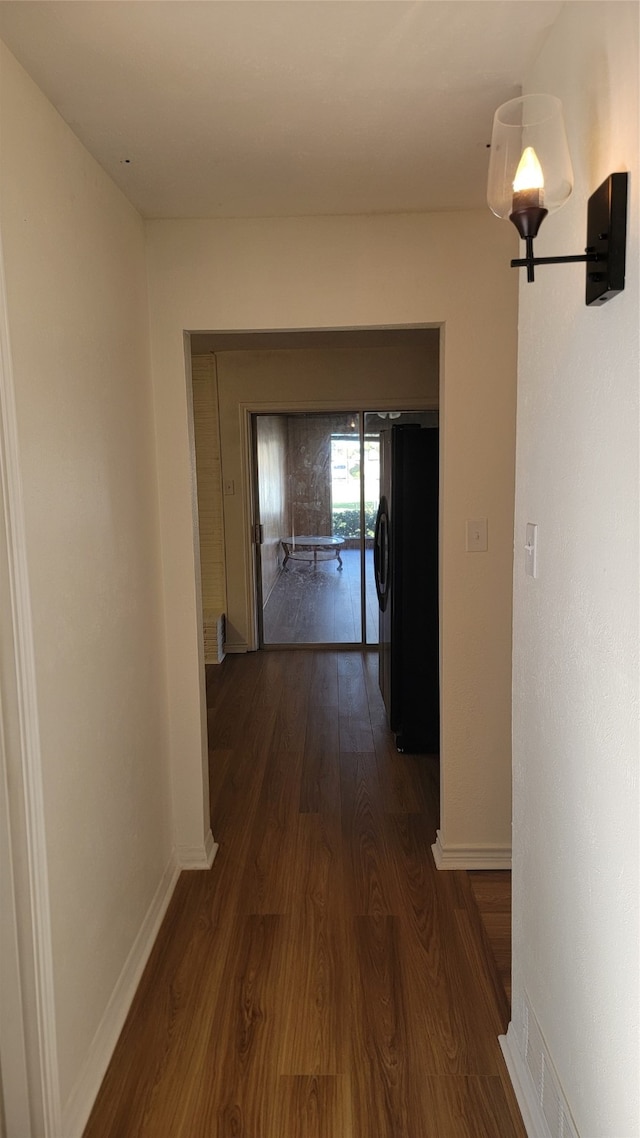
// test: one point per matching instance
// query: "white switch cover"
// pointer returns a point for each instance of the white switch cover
(477, 535)
(531, 551)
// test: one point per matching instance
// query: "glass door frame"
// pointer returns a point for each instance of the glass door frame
(249, 485)
(271, 646)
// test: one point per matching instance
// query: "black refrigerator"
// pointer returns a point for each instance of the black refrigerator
(405, 555)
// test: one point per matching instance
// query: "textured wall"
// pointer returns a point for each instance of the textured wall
(576, 676)
(309, 454)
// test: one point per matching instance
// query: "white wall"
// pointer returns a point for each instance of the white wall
(78, 320)
(448, 269)
(575, 735)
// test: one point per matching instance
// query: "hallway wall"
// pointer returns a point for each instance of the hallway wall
(74, 260)
(331, 272)
(576, 670)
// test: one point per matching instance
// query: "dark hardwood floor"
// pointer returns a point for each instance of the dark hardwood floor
(492, 893)
(323, 980)
(321, 604)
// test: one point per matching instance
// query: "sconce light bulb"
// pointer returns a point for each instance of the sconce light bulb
(529, 174)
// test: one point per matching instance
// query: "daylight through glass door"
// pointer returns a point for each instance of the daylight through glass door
(317, 478)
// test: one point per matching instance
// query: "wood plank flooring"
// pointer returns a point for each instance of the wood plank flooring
(492, 893)
(323, 980)
(320, 604)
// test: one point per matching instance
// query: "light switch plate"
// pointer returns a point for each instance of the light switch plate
(476, 541)
(531, 551)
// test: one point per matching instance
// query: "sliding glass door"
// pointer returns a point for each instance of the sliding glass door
(317, 478)
(309, 548)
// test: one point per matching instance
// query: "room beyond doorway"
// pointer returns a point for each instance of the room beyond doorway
(317, 478)
(238, 375)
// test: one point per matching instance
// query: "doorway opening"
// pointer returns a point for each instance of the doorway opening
(316, 493)
(238, 375)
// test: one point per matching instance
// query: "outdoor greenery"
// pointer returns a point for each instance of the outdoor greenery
(346, 519)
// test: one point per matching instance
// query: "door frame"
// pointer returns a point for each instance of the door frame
(249, 476)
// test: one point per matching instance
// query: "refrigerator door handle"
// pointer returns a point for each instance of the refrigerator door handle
(381, 554)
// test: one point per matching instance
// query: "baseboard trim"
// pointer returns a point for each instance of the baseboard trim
(81, 1100)
(470, 857)
(533, 1117)
(198, 857)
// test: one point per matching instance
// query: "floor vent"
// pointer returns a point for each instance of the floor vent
(213, 637)
(545, 1081)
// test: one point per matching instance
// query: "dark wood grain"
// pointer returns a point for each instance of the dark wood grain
(383, 1102)
(315, 1029)
(448, 1033)
(353, 707)
(323, 980)
(468, 1106)
(492, 893)
(268, 879)
(367, 863)
(320, 788)
(314, 1106)
(234, 1093)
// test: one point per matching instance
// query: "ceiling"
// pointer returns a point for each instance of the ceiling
(254, 108)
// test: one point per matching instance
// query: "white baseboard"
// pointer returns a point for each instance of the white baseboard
(470, 857)
(83, 1095)
(197, 857)
(541, 1098)
(533, 1117)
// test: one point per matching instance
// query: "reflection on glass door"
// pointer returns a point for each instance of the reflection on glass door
(308, 491)
(317, 491)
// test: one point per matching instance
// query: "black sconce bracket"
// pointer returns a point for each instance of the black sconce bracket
(606, 242)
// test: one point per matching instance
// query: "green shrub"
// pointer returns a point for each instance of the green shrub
(346, 520)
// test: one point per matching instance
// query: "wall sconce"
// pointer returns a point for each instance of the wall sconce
(530, 176)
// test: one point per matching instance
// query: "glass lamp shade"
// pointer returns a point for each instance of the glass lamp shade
(530, 165)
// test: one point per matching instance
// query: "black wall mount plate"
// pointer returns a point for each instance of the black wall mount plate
(607, 236)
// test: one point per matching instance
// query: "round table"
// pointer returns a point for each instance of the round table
(300, 548)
